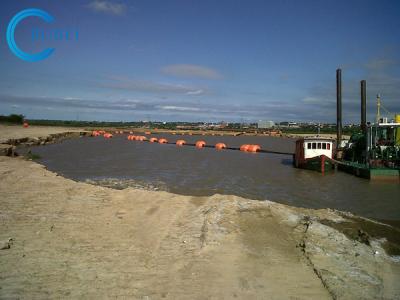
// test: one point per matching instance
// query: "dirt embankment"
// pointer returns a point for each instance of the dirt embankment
(64, 239)
(12, 136)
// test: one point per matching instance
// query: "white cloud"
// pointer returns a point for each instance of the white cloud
(150, 86)
(191, 71)
(177, 108)
(197, 92)
(108, 7)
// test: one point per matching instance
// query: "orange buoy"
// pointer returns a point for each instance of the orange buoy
(180, 142)
(26, 125)
(153, 140)
(141, 138)
(200, 144)
(254, 148)
(163, 141)
(244, 147)
(220, 146)
(131, 137)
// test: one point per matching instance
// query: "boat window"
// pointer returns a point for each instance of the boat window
(323, 145)
(328, 146)
(314, 145)
(319, 146)
(308, 145)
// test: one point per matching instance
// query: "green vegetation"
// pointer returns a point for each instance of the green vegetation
(314, 130)
(32, 156)
(12, 119)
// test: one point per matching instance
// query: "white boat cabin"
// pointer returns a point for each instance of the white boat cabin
(317, 146)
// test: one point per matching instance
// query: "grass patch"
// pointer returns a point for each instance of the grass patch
(32, 156)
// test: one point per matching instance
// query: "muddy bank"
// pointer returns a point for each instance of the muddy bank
(66, 239)
(12, 137)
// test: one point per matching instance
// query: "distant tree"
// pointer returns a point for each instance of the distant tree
(13, 118)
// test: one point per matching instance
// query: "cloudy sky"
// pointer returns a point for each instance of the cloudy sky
(206, 60)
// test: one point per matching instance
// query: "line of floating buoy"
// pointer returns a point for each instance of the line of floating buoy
(199, 144)
(250, 148)
(136, 138)
(99, 132)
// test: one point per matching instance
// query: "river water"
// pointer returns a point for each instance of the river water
(201, 172)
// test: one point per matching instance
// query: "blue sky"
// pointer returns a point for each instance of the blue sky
(202, 60)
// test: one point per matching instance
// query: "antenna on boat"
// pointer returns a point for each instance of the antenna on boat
(378, 108)
(379, 105)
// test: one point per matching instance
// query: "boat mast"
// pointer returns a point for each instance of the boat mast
(378, 108)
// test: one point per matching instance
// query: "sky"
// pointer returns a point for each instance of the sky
(206, 60)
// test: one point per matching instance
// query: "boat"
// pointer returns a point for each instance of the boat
(314, 153)
(374, 154)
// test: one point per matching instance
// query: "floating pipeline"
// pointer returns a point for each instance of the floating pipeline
(199, 144)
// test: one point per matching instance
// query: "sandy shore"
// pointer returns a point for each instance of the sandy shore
(65, 239)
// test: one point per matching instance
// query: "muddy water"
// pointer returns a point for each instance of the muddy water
(191, 171)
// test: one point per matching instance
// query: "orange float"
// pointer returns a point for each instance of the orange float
(180, 142)
(153, 140)
(220, 146)
(244, 147)
(254, 148)
(200, 144)
(163, 141)
(140, 138)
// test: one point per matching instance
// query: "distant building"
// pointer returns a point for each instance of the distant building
(263, 124)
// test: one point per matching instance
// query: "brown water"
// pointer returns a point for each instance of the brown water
(190, 171)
